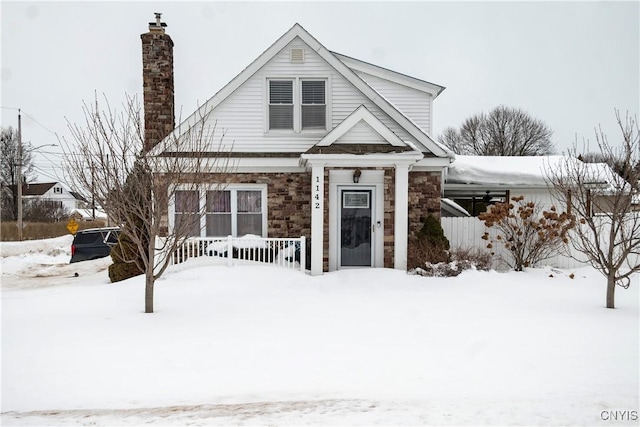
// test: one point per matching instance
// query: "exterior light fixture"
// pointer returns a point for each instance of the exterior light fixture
(356, 175)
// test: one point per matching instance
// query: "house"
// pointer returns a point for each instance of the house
(53, 194)
(474, 182)
(325, 145)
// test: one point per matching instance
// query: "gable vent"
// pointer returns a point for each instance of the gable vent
(296, 54)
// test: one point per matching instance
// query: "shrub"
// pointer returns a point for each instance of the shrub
(461, 260)
(124, 255)
(528, 234)
(429, 245)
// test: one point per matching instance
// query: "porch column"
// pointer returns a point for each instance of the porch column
(401, 224)
(317, 219)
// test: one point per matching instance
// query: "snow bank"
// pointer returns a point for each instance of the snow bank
(261, 345)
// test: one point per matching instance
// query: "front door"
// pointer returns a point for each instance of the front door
(355, 228)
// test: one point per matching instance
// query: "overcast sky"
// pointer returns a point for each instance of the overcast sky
(569, 64)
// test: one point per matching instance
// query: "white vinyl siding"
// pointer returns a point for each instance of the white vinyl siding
(361, 133)
(415, 104)
(244, 118)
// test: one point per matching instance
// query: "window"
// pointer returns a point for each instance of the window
(235, 212)
(249, 219)
(297, 104)
(186, 214)
(57, 190)
(314, 109)
(218, 213)
(280, 104)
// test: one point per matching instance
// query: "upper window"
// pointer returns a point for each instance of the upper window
(297, 104)
(57, 190)
(314, 108)
(280, 104)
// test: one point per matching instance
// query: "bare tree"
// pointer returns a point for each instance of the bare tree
(505, 131)
(105, 159)
(9, 171)
(607, 207)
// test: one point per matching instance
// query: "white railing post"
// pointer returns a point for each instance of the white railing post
(229, 251)
(303, 254)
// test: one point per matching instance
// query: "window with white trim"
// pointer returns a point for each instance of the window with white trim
(280, 104)
(297, 104)
(57, 190)
(186, 212)
(235, 212)
(314, 107)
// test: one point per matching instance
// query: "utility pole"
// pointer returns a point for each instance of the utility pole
(19, 177)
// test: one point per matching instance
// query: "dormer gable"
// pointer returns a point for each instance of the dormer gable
(360, 133)
(296, 44)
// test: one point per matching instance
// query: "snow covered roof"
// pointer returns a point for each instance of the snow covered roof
(450, 208)
(86, 214)
(502, 170)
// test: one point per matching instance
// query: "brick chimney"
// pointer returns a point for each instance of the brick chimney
(157, 82)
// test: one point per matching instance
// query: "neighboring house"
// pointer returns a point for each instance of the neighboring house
(325, 145)
(88, 215)
(474, 182)
(54, 194)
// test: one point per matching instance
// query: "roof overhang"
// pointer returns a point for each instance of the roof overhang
(408, 158)
(422, 85)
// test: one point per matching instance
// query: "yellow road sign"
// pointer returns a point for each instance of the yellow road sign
(72, 226)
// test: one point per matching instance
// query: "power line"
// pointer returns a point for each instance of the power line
(38, 123)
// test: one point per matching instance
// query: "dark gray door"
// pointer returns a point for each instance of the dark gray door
(355, 228)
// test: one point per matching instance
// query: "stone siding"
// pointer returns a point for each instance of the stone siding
(424, 199)
(157, 83)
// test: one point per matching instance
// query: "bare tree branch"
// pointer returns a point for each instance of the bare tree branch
(105, 160)
(504, 131)
(606, 205)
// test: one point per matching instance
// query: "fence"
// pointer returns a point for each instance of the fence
(466, 232)
(287, 253)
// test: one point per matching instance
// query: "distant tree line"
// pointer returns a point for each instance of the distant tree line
(504, 131)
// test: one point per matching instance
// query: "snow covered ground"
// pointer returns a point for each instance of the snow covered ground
(259, 345)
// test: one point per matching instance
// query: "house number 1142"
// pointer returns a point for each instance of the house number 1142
(316, 193)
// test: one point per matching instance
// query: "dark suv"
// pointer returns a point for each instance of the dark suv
(93, 243)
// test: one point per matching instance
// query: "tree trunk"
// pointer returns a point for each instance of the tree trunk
(148, 292)
(611, 289)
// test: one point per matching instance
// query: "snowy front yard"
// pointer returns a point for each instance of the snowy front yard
(259, 345)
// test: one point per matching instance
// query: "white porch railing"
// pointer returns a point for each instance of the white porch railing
(282, 252)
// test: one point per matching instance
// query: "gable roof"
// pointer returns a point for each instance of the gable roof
(387, 107)
(36, 189)
(361, 114)
(393, 76)
(330, 144)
